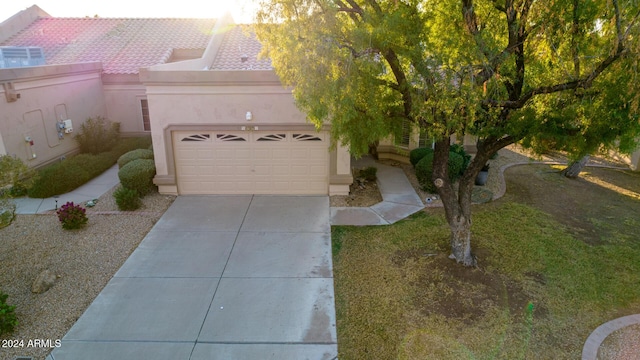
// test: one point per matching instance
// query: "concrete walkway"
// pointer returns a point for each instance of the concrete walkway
(219, 277)
(89, 191)
(399, 199)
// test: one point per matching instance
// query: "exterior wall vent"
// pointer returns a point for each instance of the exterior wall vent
(14, 56)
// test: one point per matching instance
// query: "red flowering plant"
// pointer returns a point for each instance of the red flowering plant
(72, 216)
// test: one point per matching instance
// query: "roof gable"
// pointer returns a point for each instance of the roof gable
(122, 45)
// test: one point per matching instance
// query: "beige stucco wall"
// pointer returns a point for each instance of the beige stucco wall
(47, 94)
(122, 102)
(205, 99)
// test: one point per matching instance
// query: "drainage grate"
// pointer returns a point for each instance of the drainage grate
(23, 358)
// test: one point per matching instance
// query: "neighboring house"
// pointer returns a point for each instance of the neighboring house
(220, 120)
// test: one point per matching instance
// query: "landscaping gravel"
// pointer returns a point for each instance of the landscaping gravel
(623, 344)
(84, 261)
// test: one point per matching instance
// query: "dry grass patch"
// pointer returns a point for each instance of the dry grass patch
(539, 292)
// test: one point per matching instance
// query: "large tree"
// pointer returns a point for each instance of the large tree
(555, 72)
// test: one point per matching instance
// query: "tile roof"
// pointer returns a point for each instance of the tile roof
(123, 45)
(238, 43)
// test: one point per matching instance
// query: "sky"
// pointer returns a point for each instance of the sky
(241, 10)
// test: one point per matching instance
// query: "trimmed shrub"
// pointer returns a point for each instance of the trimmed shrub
(75, 171)
(369, 173)
(72, 216)
(127, 199)
(7, 212)
(416, 155)
(459, 149)
(131, 143)
(98, 135)
(134, 155)
(424, 170)
(138, 175)
(8, 320)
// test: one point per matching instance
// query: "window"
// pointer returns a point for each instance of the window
(197, 137)
(305, 137)
(424, 141)
(403, 138)
(273, 137)
(229, 137)
(146, 122)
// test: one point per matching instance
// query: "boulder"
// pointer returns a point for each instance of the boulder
(43, 282)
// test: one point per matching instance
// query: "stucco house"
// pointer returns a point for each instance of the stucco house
(220, 120)
(91, 68)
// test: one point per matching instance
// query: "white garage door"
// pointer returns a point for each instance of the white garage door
(251, 162)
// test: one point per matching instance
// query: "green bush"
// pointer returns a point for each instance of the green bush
(424, 170)
(131, 143)
(7, 211)
(138, 175)
(98, 135)
(15, 176)
(75, 171)
(134, 155)
(459, 149)
(127, 199)
(416, 155)
(369, 173)
(8, 320)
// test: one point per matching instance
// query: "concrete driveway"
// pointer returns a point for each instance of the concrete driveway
(219, 277)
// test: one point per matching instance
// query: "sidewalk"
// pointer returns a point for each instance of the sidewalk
(89, 191)
(399, 199)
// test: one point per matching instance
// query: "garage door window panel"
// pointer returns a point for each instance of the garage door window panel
(231, 138)
(273, 137)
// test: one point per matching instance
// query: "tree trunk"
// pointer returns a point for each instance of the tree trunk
(573, 170)
(457, 205)
(461, 241)
(373, 149)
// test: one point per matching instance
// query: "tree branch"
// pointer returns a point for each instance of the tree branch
(403, 85)
(353, 12)
(584, 83)
(375, 6)
(349, 10)
(357, 54)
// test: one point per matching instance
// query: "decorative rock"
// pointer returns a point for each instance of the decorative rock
(43, 282)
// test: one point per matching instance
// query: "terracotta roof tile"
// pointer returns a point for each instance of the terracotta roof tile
(123, 45)
(239, 51)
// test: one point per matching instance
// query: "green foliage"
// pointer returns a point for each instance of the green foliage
(134, 155)
(424, 170)
(15, 174)
(8, 320)
(98, 135)
(564, 73)
(72, 216)
(127, 199)
(545, 73)
(138, 175)
(417, 154)
(369, 173)
(7, 211)
(459, 149)
(73, 172)
(15, 178)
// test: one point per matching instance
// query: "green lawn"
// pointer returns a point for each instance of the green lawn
(548, 276)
